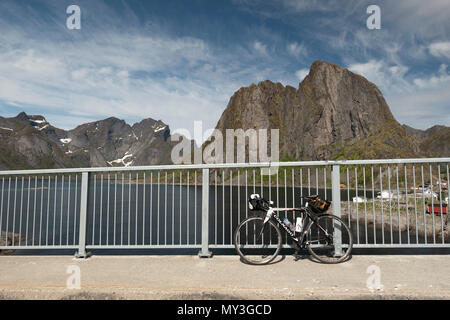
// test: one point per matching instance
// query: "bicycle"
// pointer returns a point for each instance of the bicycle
(327, 238)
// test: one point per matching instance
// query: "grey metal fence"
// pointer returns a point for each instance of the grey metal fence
(386, 203)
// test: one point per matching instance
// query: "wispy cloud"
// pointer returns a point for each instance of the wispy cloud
(133, 63)
(440, 49)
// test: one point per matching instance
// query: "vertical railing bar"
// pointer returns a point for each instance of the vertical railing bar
(415, 204)
(373, 207)
(14, 215)
(75, 207)
(137, 201)
(317, 180)
(165, 209)
(270, 186)
(223, 206)
(181, 197)
(336, 197)
(173, 207)
(301, 187)
(20, 217)
(61, 209)
(115, 209)
(390, 203)
(157, 212)
(7, 210)
(1, 209)
(144, 185)
(349, 209)
(188, 210)
(423, 207)
(365, 203)
(195, 207)
(54, 210)
(48, 211)
(238, 196)
(293, 187)
(356, 204)
(285, 199)
(28, 209)
(151, 207)
(231, 205)
(261, 184)
(398, 207)
(407, 204)
(246, 199)
(34, 208)
(101, 211)
(325, 180)
(205, 215)
(93, 208)
(440, 202)
(107, 209)
(382, 204)
(432, 205)
(254, 182)
(34, 214)
(121, 208)
(129, 208)
(41, 211)
(448, 192)
(309, 181)
(83, 215)
(215, 206)
(285, 188)
(68, 211)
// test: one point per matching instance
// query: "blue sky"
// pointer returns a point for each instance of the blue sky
(180, 61)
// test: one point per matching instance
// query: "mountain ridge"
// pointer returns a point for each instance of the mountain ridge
(333, 114)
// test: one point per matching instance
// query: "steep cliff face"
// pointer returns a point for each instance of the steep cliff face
(334, 114)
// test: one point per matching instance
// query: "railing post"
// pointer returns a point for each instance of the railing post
(83, 216)
(336, 196)
(205, 253)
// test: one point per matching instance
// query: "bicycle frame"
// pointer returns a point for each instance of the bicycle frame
(299, 240)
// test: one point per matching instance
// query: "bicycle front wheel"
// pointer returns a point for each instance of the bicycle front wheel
(256, 242)
(329, 239)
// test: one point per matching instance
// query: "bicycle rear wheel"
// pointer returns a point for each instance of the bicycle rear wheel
(329, 239)
(257, 243)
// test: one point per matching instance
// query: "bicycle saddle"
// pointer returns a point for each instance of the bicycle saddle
(311, 197)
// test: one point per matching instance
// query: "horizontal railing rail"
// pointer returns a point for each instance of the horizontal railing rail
(401, 203)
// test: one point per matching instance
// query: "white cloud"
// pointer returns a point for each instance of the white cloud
(297, 50)
(387, 77)
(421, 102)
(260, 48)
(301, 74)
(440, 49)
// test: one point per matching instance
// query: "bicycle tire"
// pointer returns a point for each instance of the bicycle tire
(330, 256)
(243, 253)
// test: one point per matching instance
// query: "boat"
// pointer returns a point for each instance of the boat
(359, 200)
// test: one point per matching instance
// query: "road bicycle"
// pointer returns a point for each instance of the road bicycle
(258, 239)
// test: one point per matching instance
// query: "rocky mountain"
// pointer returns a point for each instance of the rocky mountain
(333, 114)
(434, 142)
(29, 141)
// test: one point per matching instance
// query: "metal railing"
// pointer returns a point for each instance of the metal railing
(387, 203)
